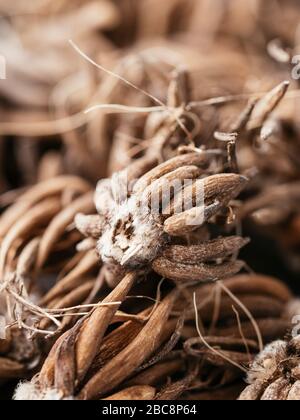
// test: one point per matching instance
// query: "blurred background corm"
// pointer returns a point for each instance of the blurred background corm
(228, 48)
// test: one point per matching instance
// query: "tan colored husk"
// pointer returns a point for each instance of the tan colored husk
(75, 297)
(200, 159)
(266, 105)
(59, 224)
(210, 250)
(36, 194)
(252, 284)
(203, 272)
(124, 364)
(94, 329)
(133, 238)
(141, 392)
(59, 373)
(156, 373)
(74, 278)
(41, 213)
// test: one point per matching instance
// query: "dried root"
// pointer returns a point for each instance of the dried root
(72, 380)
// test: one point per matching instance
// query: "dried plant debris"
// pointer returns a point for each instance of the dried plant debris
(147, 167)
(77, 351)
(233, 326)
(93, 367)
(136, 229)
(275, 373)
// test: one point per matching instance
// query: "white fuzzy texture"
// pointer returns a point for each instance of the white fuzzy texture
(28, 391)
(266, 363)
(133, 238)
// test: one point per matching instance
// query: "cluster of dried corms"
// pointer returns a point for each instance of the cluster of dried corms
(102, 298)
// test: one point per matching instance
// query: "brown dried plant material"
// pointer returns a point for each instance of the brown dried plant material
(210, 250)
(174, 390)
(219, 190)
(24, 284)
(184, 272)
(5, 345)
(118, 340)
(176, 271)
(167, 124)
(85, 353)
(59, 384)
(40, 213)
(94, 327)
(59, 224)
(89, 17)
(274, 374)
(157, 373)
(123, 365)
(10, 369)
(74, 298)
(223, 94)
(276, 196)
(230, 350)
(27, 219)
(229, 393)
(245, 285)
(230, 340)
(246, 288)
(90, 226)
(275, 211)
(194, 159)
(50, 166)
(164, 127)
(73, 278)
(32, 92)
(53, 187)
(266, 105)
(133, 236)
(86, 348)
(133, 393)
